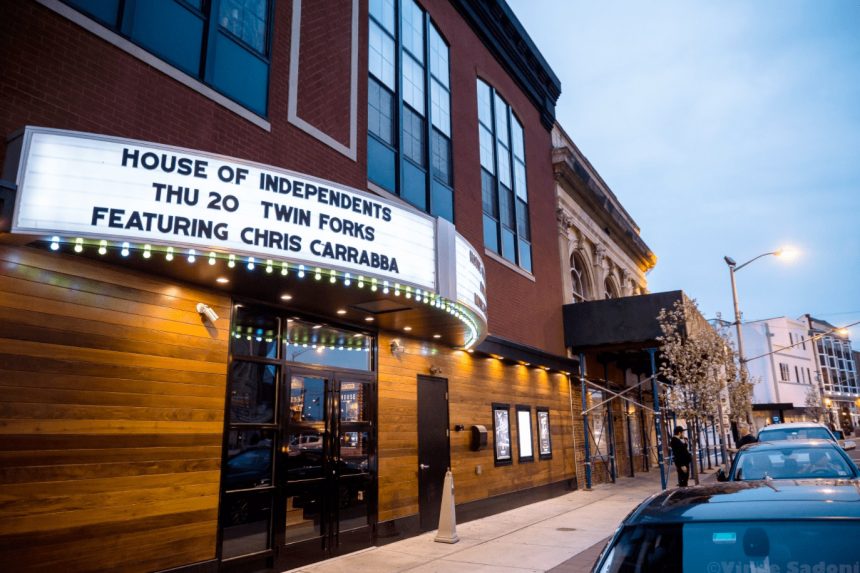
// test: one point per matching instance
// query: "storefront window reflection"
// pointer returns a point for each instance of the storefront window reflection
(314, 343)
(254, 334)
(252, 393)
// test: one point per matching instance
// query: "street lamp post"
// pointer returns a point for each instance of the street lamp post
(733, 268)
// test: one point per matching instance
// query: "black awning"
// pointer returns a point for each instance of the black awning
(500, 347)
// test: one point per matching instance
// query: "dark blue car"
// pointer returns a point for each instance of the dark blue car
(746, 526)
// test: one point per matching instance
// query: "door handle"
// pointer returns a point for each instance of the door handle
(424, 466)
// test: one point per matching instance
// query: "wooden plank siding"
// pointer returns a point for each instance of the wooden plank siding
(474, 383)
(111, 416)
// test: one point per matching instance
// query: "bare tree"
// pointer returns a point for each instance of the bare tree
(696, 363)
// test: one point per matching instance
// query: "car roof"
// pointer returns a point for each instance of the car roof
(781, 444)
(751, 501)
(790, 425)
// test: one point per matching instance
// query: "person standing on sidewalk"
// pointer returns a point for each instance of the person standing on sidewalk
(746, 436)
(681, 455)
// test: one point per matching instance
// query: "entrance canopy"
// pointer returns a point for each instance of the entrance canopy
(249, 229)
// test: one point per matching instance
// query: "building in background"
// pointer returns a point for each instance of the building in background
(781, 360)
(602, 257)
(837, 367)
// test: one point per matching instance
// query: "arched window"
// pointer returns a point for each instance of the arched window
(579, 279)
(610, 288)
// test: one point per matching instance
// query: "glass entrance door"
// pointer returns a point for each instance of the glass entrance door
(326, 455)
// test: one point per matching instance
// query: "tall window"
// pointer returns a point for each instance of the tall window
(610, 288)
(409, 107)
(784, 372)
(503, 179)
(579, 279)
(223, 43)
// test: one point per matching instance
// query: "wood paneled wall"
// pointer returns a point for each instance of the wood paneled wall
(474, 383)
(111, 417)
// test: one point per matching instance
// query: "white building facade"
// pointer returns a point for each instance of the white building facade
(781, 359)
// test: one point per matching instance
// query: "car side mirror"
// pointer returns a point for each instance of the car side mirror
(721, 475)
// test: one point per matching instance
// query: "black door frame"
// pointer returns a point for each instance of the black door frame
(331, 541)
(273, 557)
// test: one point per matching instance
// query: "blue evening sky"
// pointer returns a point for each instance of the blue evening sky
(725, 128)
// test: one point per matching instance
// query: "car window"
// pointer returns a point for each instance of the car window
(794, 434)
(775, 546)
(792, 463)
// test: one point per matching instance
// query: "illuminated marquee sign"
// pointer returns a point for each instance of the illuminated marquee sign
(471, 280)
(98, 186)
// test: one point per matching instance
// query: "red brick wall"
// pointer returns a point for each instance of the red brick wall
(56, 74)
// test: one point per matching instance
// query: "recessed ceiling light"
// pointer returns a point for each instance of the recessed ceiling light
(286, 297)
(222, 280)
(437, 336)
(317, 326)
(368, 319)
(357, 335)
(407, 328)
(341, 311)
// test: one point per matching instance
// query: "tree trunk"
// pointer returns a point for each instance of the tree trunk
(694, 463)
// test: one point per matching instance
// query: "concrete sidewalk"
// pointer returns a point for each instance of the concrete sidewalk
(566, 533)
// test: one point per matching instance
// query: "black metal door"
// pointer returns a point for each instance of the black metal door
(433, 448)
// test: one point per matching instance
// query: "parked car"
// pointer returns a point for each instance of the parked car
(801, 431)
(739, 526)
(790, 459)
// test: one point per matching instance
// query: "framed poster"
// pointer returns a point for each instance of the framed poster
(544, 438)
(524, 434)
(502, 434)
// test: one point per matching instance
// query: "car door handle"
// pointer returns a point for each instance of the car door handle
(424, 466)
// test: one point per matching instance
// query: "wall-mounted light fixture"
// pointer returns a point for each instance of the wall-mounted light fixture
(396, 348)
(207, 311)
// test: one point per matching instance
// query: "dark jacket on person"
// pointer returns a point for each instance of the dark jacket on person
(680, 451)
(747, 439)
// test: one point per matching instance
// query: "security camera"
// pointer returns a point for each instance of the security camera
(207, 311)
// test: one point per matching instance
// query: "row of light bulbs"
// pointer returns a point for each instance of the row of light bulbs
(301, 270)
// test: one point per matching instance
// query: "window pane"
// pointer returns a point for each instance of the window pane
(413, 136)
(438, 57)
(414, 185)
(525, 255)
(381, 56)
(103, 10)
(381, 164)
(509, 247)
(504, 165)
(491, 234)
(311, 343)
(520, 180)
(489, 197)
(383, 11)
(441, 157)
(486, 143)
(440, 107)
(501, 109)
(246, 519)
(252, 392)
(441, 201)
(170, 31)
(254, 334)
(380, 111)
(354, 402)
(506, 208)
(413, 84)
(246, 19)
(523, 220)
(485, 109)
(517, 139)
(249, 459)
(413, 29)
